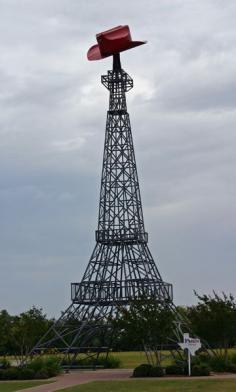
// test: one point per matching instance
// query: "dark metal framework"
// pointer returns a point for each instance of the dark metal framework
(121, 267)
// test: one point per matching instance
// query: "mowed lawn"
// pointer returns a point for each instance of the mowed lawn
(156, 386)
(130, 359)
(12, 386)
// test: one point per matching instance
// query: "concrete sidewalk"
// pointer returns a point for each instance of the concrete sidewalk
(81, 377)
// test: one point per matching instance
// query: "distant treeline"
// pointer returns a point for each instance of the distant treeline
(213, 319)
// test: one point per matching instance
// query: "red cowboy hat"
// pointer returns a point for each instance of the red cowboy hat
(111, 42)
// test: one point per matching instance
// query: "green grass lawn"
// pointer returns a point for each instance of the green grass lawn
(130, 359)
(156, 386)
(12, 386)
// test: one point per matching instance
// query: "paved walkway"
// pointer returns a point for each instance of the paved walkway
(83, 377)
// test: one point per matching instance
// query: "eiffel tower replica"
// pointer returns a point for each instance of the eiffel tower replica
(121, 268)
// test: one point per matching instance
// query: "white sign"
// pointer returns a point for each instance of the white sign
(192, 345)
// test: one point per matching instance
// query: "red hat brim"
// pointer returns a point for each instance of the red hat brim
(94, 52)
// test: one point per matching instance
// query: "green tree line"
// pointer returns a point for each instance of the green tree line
(213, 319)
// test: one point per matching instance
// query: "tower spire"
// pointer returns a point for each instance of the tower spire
(120, 208)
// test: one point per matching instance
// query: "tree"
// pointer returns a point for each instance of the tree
(5, 333)
(145, 322)
(27, 329)
(213, 319)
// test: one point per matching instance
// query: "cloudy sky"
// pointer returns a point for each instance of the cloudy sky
(52, 121)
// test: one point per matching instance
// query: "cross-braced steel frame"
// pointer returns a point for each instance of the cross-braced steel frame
(121, 268)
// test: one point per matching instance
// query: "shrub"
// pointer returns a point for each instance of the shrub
(26, 374)
(45, 367)
(200, 370)
(231, 367)
(36, 364)
(41, 374)
(204, 357)
(2, 372)
(14, 373)
(156, 371)
(175, 370)
(38, 368)
(222, 364)
(11, 374)
(195, 360)
(233, 358)
(219, 364)
(143, 370)
(52, 365)
(110, 362)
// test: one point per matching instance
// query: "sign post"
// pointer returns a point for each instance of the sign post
(192, 345)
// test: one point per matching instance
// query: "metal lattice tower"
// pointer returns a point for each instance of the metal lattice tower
(121, 267)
